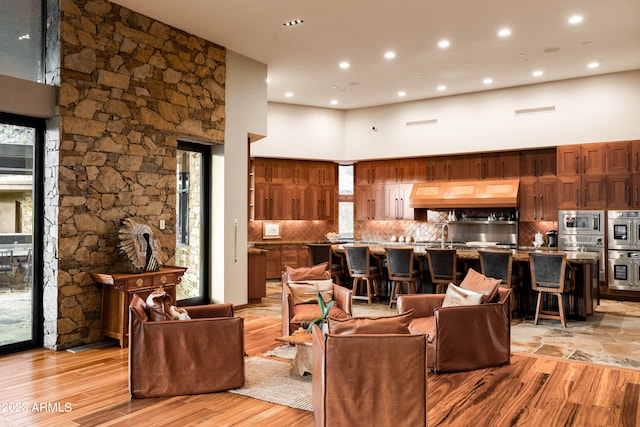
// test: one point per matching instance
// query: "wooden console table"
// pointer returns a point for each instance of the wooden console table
(118, 290)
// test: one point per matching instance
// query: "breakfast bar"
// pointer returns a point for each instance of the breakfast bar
(584, 296)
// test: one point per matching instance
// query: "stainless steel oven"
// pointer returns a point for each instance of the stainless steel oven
(583, 231)
(624, 270)
(623, 230)
(581, 222)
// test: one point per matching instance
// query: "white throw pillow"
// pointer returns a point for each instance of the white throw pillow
(456, 296)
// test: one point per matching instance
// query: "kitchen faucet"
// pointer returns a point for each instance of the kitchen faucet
(445, 225)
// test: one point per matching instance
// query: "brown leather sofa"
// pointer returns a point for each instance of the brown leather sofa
(362, 379)
(178, 357)
(462, 338)
(293, 315)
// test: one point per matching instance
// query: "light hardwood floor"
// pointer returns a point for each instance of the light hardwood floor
(531, 391)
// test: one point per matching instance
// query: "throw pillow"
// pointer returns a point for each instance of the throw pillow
(307, 292)
(456, 296)
(317, 272)
(371, 325)
(158, 304)
(477, 282)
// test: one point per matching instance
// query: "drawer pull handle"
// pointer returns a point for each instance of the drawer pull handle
(139, 282)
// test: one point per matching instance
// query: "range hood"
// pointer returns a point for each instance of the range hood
(498, 193)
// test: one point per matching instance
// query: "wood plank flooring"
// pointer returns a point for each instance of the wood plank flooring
(90, 389)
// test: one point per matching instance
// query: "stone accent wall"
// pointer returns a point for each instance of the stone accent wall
(130, 88)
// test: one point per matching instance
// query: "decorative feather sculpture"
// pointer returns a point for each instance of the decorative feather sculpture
(139, 245)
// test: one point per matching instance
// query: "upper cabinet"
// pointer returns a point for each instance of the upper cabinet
(581, 176)
(587, 159)
(623, 175)
(538, 162)
(501, 165)
(290, 189)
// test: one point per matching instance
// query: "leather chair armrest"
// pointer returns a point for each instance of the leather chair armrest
(472, 337)
(343, 299)
(423, 305)
(210, 311)
(318, 384)
(287, 307)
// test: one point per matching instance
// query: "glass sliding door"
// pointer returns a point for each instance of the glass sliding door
(21, 142)
(193, 222)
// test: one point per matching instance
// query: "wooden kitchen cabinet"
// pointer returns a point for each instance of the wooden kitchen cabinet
(273, 261)
(582, 192)
(322, 201)
(400, 171)
(322, 173)
(257, 276)
(269, 201)
(501, 165)
(396, 199)
(587, 159)
(623, 174)
(620, 191)
(369, 202)
(118, 290)
(538, 162)
(437, 168)
(466, 167)
(295, 202)
(370, 172)
(538, 201)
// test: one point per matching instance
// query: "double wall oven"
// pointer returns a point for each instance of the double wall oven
(624, 250)
(583, 231)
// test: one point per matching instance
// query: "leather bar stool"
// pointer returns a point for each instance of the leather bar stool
(320, 253)
(551, 275)
(362, 272)
(443, 267)
(401, 270)
(499, 265)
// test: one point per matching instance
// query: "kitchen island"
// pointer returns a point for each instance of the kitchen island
(584, 296)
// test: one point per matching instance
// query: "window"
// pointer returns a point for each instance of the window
(193, 213)
(21, 39)
(345, 200)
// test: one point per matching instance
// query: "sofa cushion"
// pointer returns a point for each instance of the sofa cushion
(317, 272)
(308, 312)
(456, 296)
(478, 282)
(307, 292)
(424, 325)
(371, 325)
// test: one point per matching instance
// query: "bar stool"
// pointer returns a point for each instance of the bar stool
(499, 265)
(320, 253)
(401, 270)
(443, 267)
(551, 275)
(361, 270)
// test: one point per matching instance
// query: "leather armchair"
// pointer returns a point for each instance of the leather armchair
(461, 338)
(294, 315)
(380, 390)
(178, 357)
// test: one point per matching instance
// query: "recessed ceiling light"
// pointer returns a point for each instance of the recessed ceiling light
(443, 44)
(292, 23)
(288, 94)
(594, 64)
(575, 19)
(344, 65)
(504, 32)
(442, 87)
(24, 37)
(402, 93)
(389, 54)
(334, 102)
(537, 73)
(487, 81)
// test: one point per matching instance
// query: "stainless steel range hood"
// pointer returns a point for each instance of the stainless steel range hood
(498, 193)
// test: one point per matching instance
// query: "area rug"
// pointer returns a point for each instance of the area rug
(284, 352)
(270, 380)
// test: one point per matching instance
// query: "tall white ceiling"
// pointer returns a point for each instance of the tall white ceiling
(303, 59)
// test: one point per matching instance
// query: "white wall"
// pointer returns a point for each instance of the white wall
(594, 109)
(246, 113)
(300, 132)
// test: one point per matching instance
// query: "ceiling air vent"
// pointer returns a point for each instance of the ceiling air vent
(421, 122)
(537, 110)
